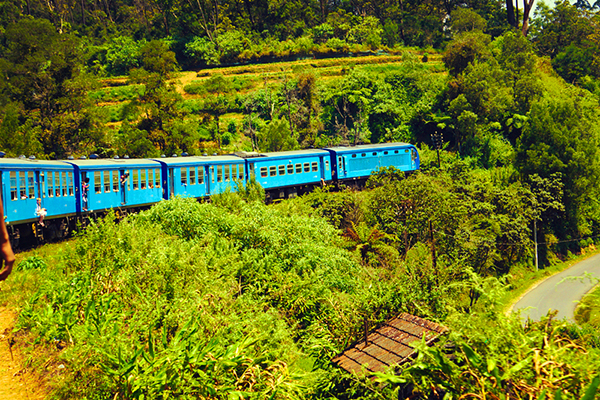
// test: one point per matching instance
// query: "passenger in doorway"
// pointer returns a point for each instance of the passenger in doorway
(40, 211)
(6, 254)
(124, 178)
(85, 188)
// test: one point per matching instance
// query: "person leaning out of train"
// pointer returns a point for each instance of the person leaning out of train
(124, 178)
(40, 211)
(6, 253)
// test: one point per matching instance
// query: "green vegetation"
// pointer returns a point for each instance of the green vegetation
(588, 309)
(235, 299)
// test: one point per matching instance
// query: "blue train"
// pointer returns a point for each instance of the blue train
(72, 190)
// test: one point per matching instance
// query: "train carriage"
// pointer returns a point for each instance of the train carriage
(200, 176)
(357, 163)
(284, 173)
(24, 180)
(114, 183)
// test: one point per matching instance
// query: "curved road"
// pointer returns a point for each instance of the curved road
(556, 293)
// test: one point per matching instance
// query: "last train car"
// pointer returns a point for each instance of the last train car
(357, 163)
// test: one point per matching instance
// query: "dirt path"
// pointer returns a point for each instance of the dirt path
(16, 382)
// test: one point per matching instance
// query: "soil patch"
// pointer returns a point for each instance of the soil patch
(16, 381)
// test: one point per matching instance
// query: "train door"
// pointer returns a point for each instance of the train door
(85, 190)
(341, 167)
(171, 183)
(39, 176)
(123, 186)
(2, 189)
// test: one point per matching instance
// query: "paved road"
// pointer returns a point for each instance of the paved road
(558, 294)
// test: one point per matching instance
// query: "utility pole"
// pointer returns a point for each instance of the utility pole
(536, 243)
(437, 139)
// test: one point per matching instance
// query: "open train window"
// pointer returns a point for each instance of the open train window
(241, 171)
(115, 181)
(136, 179)
(326, 165)
(157, 178)
(200, 175)
(306, 167)
(13, 186)
(219, 173)
(272, 170)
(70, 183)
(30, 184)
(183, 176)
(97, 181)
(290, 169)
(363, 155)
(395, 151)
(298, 168)
(107, 181)
(353, 156)
(226, 172)
(192, 175)
(374, 153)
(282, 170)
(315, 166)
(50, 181)
(144, 179)
(385, 153)
(22, 186)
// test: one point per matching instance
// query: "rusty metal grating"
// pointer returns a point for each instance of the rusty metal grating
(389, 344)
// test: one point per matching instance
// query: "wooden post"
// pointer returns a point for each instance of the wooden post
(366, 333)
(432, 245)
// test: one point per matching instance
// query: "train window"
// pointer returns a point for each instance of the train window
(219, 173)
(326, 165)
(212, 174)
(263, 172)
(363, 155)
(13, 186)
(282, 170)
(57, 184)
(192, 175)
(136, 179)
(200, 175)
(144, 178)
(298, 168)
(395, 151)
(385, 153)
(50, 181)
(157, 178)
(353, 156)
(70, 183)
(115, 181)
(63, 182)
(107, 181)
(339, 161)
(97, 181)
(315, 166)
(241, 171)
(272, 170)
(22, 187)
(306, 167)
(30, 184)
(290, 169)
(374, 153)
(226, 172)
(184, 176)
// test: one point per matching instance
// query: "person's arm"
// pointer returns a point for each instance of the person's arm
(6, 252)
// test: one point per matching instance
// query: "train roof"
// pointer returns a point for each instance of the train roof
(376, 146)
(28, 163)
(190, 160)
(293, 154)
(103, 163)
